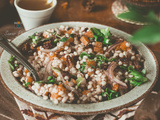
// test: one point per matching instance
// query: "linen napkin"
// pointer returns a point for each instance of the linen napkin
(30, 113)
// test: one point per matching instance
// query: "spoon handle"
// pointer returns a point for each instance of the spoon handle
(4, 43)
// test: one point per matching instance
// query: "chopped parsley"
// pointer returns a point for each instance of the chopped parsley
(98, 58)
(34, 40)
(11, 64)
(78, 81)
(81, 69)
(97, 34)
(12, 58)
(16, 65)
(26, 84)
(50, 80)
(64, 39)
(55, 41)
(102, 35)
(138, 77)
(89, 56)
(110, 94)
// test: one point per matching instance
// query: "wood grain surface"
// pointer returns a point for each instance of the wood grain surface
(102, 14)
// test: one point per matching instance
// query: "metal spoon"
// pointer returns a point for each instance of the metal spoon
(6, 45)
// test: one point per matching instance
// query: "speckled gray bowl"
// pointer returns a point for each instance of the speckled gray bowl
(129, 98)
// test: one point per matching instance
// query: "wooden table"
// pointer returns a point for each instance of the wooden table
(74, 12)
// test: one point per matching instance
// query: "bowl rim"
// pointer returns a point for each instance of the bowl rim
(91, 112)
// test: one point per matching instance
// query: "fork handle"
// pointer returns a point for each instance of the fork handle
(4, 43)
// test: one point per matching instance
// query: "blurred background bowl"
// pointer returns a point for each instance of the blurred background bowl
(143, 5)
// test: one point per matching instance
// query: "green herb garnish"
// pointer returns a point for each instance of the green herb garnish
(97, 34)
(10, 62)
(51, 79)
(138, 78)
(81, 69)
(35, 41)
(89, 56)
(98, 58)
(78, 81)
(12, 58)
(64, 39)
(102, 35)
(26, 84)
(107, 42)
(83, 54)
(11, 66)
(110, 94)
(55, 41)
(16, 65)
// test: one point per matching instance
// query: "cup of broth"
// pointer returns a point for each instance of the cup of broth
(34, 13)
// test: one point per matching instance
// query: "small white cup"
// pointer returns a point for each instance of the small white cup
(31, 18)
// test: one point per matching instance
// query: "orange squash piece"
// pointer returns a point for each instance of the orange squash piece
(61, 88)
(84, 40)
(44, 34)
(55, 95)
(63, 58)
(38, 48)
(98, 47)
(123, 46)
(55, 74)
(73, 81)
(90, 73)
(98, 50)
(98, 44)
(70, 39)
(115, 87)
(89, 34)
(66, 82)
(85, 92)
(26, 71)
(29, 79)
(69, 31)
(91, 63)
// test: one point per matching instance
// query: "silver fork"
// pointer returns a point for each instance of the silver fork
(6, 45)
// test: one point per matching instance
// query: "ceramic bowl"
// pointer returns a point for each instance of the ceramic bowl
(133, 96)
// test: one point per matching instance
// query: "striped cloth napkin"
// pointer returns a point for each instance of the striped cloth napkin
(30, 113)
